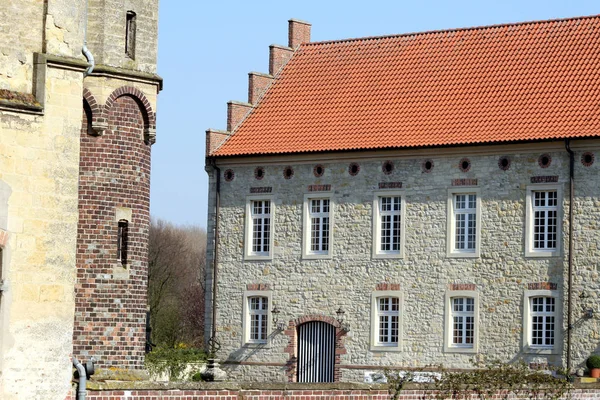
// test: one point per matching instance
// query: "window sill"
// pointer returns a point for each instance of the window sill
(250, 257)
(542, 253)
(455, 254)
(465, 350)
(317, 256)
(382, 348)
(540, 350)
(387, 255)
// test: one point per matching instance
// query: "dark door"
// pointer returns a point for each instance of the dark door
(316, 352)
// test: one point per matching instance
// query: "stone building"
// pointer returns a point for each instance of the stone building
(409, 200)
(75, 138)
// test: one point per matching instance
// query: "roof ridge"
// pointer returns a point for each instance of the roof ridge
(473, 28)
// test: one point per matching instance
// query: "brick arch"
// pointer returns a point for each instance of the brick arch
(142, 100)
(292, 333)
(97, 122)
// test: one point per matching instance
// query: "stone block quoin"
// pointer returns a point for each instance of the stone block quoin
(110, 298)
(298, 33)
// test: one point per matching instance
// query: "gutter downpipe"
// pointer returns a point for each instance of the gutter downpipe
(216, 250)
(82, 384)
(86, 52)
(570, 273)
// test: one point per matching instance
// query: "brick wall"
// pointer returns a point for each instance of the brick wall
(111, 297)
(317, 392)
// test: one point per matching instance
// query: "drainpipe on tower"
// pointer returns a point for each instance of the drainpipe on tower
(86, 52)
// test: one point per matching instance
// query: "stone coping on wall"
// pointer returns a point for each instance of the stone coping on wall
(249, 386)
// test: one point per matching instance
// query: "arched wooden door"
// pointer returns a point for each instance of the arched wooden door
(316, 352)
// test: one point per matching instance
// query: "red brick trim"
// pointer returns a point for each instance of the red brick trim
(258, 286)
(462, 286)
(542, 286)
(291, 332)
(99, 124)
(387, 286)
(142, 100)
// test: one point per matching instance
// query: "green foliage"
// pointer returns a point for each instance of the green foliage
(593, 361)
(504, 378)
(486, 381)
(175, 361)
(197, 377)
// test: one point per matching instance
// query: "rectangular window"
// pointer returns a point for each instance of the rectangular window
(388, 225)
(259, 228)
(461, 320)
(259, 310)
(543, 221)
(389, 313)
(386, 320)
(122, 239)
(542, 322)
(318, 227)
(463, 222)
(256, 324)
(130, 32)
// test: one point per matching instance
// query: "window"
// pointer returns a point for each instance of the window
(256, 322)
(130, 30)
(259, 227)
(541, 322)
(318, 216)
(388, 225)
(543, 221)
(386, 321)
(462, 319)
(464, 219)
(122, 239)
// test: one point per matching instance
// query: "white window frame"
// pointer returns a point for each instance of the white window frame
(377, 252)
(449, 346)
(307, 253)
(527, 322)
(249, 254)
(246, 317)
(530, 251)
(451, 251)
(375, 345)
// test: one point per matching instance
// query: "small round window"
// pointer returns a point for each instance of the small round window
(464, 165)
(427, 166)
(504, 163)
(545, 160)
(229, 175)
(387, 167)
(353, 169)
(288, 172)
(259, 173)
(587, 159)
(318, 170)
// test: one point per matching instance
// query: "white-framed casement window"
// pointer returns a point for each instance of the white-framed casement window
(464, 222)
(543, 221)
(388, 224)
(462, 321)
(259, 228)
(318, 226)
(256, 318)
(386, 320)
(541, 322)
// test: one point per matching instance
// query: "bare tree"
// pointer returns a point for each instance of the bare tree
(176, 261)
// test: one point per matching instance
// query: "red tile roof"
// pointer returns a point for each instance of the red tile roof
(514, 82)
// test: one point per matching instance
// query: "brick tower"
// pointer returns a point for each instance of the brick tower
(118, 129)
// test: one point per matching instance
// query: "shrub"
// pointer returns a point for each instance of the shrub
(173, 361)
(593, 361)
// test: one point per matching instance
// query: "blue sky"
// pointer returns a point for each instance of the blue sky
(207, 48)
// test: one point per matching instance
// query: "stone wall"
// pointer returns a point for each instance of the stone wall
(501, 274)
